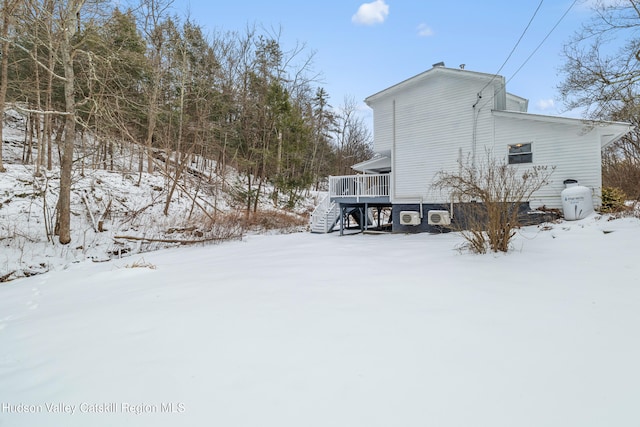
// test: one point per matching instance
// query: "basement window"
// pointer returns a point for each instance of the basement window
(520, 153)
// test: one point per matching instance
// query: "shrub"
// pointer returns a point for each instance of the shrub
(271, 220)
(141, 263)
(498, 190)
(621, 169)
(613, 200)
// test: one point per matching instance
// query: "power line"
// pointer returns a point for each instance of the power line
(543, 40)
(532, 53)
(515, 46)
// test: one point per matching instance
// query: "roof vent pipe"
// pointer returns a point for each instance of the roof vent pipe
(438, 64)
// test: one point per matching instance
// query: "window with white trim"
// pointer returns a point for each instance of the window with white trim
(520, 153)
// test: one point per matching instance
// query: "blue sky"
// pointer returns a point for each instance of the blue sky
(364, 47)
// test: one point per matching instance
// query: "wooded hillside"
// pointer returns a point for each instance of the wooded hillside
(97, 81)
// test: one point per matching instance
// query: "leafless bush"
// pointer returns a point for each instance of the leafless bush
(208, 228)
(225, 226)
(621, 172)
(489, 197)
(141, 263)
(274, 220)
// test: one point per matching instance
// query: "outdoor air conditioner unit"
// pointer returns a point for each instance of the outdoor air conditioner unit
(438, 218)
(410, 218)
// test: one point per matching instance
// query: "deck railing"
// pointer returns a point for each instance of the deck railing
(324, 216)
(359, 186)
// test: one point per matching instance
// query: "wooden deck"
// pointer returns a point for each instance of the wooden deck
(367, 188)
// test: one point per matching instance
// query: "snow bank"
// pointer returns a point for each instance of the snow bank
(322, 330)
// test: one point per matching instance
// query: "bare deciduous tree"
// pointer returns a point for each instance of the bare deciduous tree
(154, 18)
(352, 136)
(69, 23)
(8, 10)
(602, 77)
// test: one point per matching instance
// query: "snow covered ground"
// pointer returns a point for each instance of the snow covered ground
(321, 330)
(128, 204)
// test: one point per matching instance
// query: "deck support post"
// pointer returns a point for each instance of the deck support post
(365, 216)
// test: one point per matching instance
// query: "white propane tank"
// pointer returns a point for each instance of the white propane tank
(577, 201)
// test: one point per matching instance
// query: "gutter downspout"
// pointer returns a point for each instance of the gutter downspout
(474, 136)
(393, 152)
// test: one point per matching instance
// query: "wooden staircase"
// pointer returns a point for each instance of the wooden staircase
(325, 216)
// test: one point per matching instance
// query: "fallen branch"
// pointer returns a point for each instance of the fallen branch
(189, 195)
(86, 202)
(5, 278)
(179, 241)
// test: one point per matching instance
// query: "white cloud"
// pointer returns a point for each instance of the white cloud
(546, 104)
(372, 13)
(424, 30)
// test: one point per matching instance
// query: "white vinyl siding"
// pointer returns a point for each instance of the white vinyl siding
(516, 103)
(383, 126)
(434, 121)
(572, 148)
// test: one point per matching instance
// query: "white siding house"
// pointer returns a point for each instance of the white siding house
(432, 121)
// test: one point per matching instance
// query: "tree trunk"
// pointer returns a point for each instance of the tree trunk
(7, 7)
(64, 205)
(48, 123)
(66, 166)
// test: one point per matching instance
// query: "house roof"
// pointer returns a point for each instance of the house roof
(436, 70)
(609, 131)
(381, 162)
